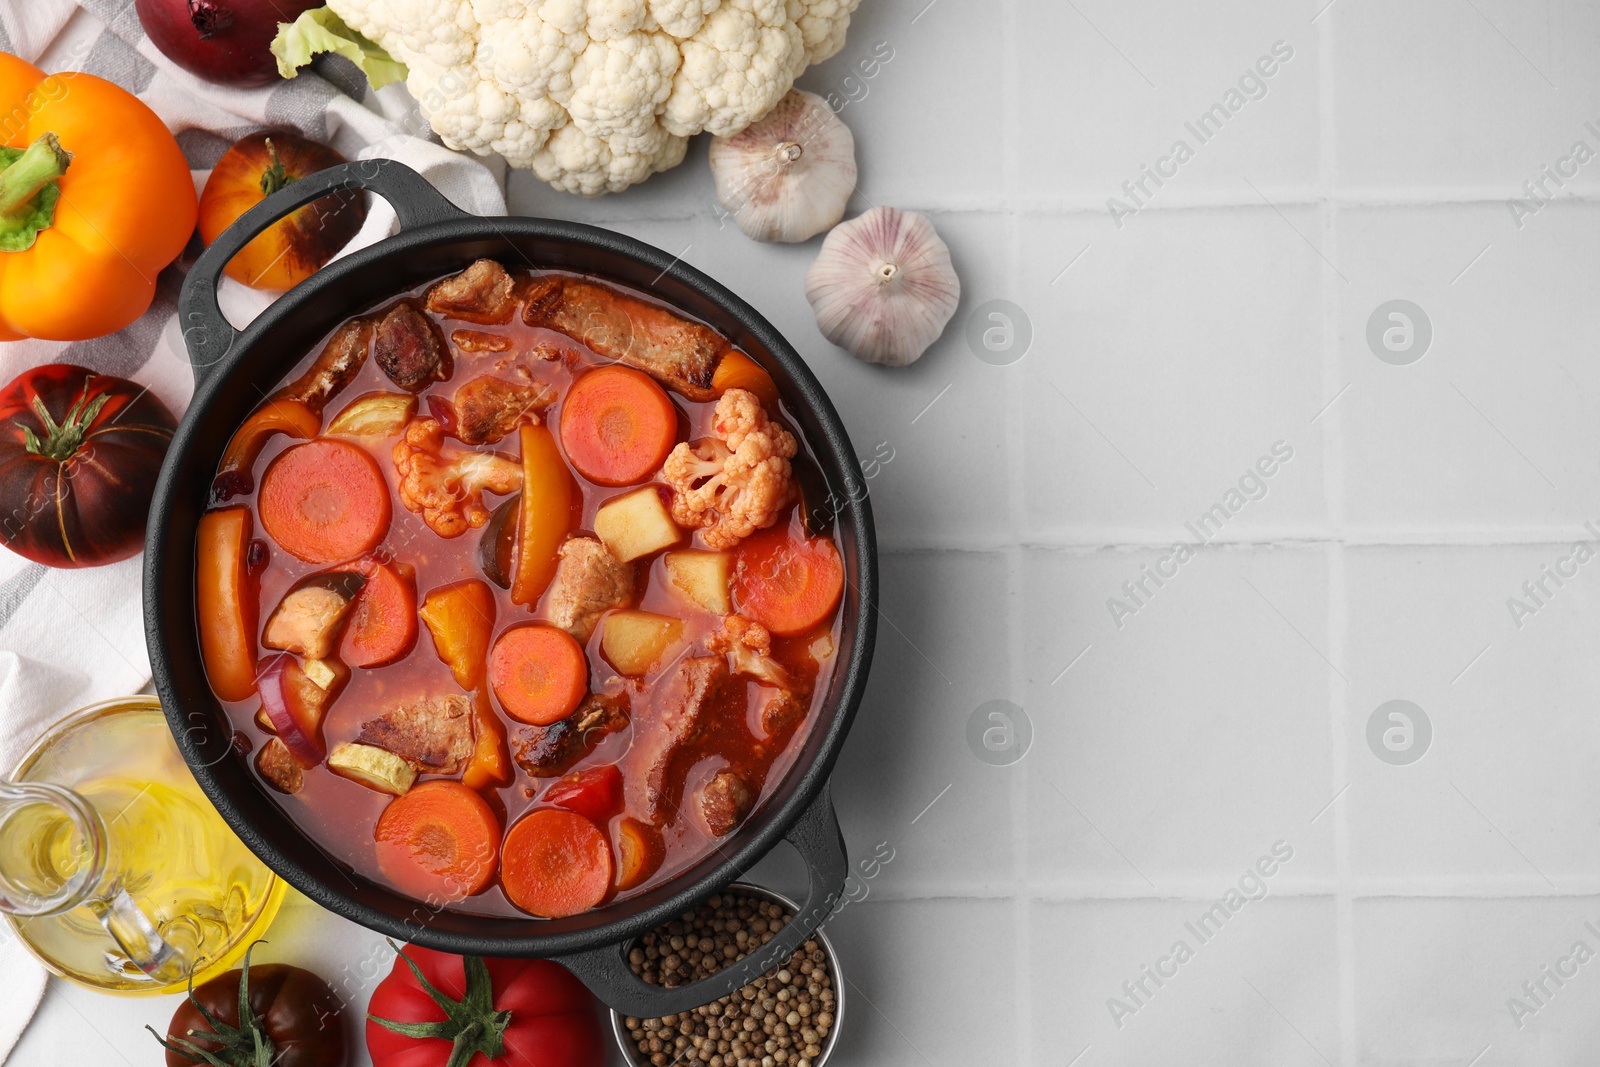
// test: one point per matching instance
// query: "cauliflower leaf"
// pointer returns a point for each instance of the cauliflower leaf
(320, 30)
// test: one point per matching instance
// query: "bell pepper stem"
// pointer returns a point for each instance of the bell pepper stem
(43, 162)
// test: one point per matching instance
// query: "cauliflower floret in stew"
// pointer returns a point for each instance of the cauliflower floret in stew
(735, 483)
(446, 488)
(750, 645)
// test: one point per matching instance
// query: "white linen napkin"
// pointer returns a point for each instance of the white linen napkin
(32, 695)
(71, 637)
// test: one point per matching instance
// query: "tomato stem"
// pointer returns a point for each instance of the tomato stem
(62, 440)
(245, 1045)
(472, 1024)
(274, 177)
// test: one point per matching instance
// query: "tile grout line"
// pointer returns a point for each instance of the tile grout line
(1337, 587)
(1022, 904)
(1284, 538)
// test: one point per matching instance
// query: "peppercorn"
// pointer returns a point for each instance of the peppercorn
(782, 1019)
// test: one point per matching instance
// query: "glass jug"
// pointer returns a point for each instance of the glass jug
(115, 870)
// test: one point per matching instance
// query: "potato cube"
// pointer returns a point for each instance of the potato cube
(323, 672)
(373, 767)
(702, 577)
(635, 641)
(636, 524)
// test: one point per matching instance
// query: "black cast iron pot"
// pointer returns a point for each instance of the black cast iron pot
(234, 370)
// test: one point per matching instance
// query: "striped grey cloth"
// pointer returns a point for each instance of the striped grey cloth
(68, 638)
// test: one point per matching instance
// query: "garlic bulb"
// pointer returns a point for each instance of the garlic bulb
(789, 176)
(883, 286)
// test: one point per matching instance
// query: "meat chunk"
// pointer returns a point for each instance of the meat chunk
(681, 353)
(589, 582)
(484, 293)
(550, 751)
(676, 716)
(481, 341)
(781, 710)
(279, 767)
(433, 734)
(724, 802)
(409, 350)
(488, 408)
(447, 489)
(735, 483)
(335, 367)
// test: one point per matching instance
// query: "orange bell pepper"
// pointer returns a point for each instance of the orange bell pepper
(95, 198)
(739, 371)
(226, 600)
(543, 517)
(460, 616)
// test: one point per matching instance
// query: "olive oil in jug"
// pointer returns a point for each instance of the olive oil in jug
(115, 870)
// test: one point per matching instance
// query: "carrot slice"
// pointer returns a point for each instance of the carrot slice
(642, 852)
(439, 841)
(618, 425)
(787, 584)
(539, 673)
(324, 501)
(739, 371)
(383, 624)
(557, 863)
(227, 601)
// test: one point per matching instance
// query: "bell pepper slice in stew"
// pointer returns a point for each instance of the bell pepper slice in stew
(281, 415)
(460, 616)
(595, 793)
(739, 371)
(543, 518)
(228, 602)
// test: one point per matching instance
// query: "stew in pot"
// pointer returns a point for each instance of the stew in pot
(511, 589)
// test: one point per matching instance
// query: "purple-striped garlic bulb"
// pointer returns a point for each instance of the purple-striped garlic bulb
(883, 286)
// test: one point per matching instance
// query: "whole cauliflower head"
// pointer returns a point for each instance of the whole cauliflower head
(447, 489)
(596, 95)
(731, 485)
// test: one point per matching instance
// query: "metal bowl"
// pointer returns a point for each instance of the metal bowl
(834, 972)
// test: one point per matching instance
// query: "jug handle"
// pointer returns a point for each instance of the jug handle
(116, 911)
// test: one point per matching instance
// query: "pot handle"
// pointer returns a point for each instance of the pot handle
(817, 838)
(206, 331)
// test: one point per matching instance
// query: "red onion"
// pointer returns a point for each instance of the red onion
(222, 41)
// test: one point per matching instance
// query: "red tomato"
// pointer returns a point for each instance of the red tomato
(596, 793)
(551, 1020)
(79, 455)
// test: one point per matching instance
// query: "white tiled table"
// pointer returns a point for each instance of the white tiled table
(1230, 712)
